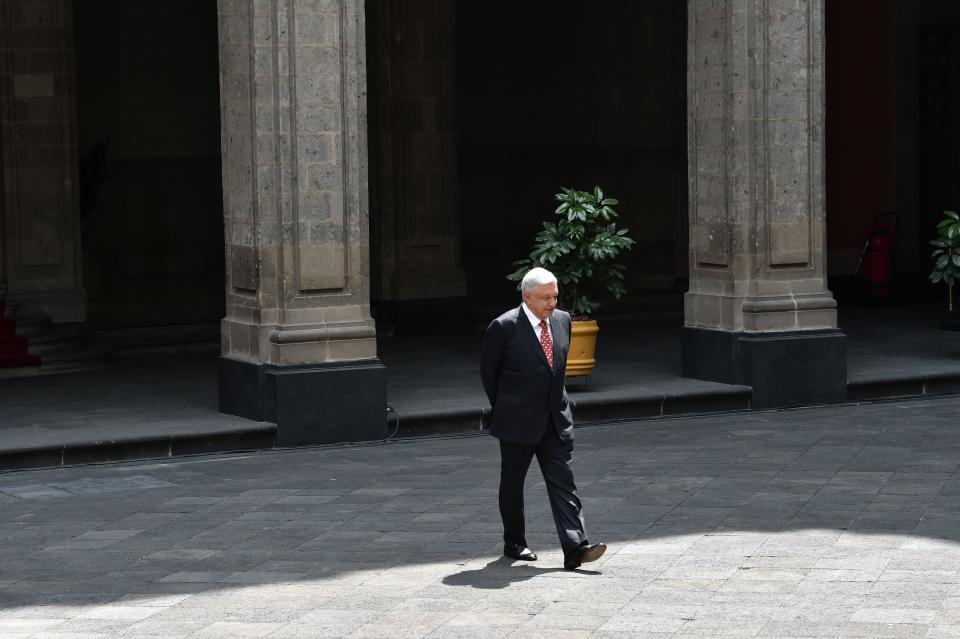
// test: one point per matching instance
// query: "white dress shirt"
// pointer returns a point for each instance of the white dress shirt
(536, 322)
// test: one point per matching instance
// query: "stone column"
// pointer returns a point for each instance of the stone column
(758, 311)
(38, 156)
(419, 279)
(298, 342)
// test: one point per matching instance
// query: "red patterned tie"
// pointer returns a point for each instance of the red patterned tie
(546, 342)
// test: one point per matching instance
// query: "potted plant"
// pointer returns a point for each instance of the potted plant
(580, 248)
(946, 266)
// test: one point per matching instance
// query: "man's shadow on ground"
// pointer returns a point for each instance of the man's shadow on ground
(500, 573)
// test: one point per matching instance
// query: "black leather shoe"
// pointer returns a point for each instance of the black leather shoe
(584, 554)
(516, 551)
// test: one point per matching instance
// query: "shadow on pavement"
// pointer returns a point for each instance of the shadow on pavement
(497, 574)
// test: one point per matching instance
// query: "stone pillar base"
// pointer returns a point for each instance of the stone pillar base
(310, 404)
(784, 368)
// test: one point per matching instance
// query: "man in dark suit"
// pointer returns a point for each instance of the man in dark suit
(522, 363)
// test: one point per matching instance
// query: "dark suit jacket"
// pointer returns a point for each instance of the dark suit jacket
(523, 392)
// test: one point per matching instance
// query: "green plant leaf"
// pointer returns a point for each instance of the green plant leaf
(580, 247)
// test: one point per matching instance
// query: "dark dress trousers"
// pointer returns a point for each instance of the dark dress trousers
(531, 416)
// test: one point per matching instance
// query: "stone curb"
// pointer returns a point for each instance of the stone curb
(457, 420)
(258, 436)
(889, 386)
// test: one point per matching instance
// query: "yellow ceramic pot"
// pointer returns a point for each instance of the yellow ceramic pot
(583, 348)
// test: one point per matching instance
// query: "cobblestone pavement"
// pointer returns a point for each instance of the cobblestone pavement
(827, 522)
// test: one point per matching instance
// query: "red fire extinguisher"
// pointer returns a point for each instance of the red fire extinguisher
(877, 258)
(878, 269)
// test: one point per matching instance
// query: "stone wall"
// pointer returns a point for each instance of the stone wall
(38, 133)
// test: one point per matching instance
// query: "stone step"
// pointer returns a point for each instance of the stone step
(20, 371)
(76, 357)
(61, 361)
(58, 339)
(71, 366)
(83, 448)
(60, 347)
(629, 405)
(60, 333)
(32, 325)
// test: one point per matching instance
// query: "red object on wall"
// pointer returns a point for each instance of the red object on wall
(14, 350)
(878, 268)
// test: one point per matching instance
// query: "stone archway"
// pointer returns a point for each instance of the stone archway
(41, 223)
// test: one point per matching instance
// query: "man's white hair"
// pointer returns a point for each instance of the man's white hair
(535, 277)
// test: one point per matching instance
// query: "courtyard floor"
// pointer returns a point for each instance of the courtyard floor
(836, 521)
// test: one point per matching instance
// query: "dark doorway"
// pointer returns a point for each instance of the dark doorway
(544, 95)
(149, 141)
(938, 121)
(572, 94)
(892, 136)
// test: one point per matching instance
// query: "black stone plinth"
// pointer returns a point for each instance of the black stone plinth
(310, 404)
(784, 369)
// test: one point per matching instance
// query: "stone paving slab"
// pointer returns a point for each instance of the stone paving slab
(825, 522)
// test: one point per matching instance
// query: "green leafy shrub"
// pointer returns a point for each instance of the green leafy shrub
(580, 248)
(946, 254)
